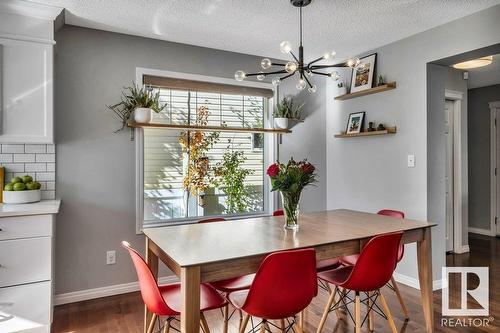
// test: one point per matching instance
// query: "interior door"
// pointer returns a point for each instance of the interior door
(448, 133)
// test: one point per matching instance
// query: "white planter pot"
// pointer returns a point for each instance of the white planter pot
(142, 115)
(20, 197)
(281, 123)
(342, 91)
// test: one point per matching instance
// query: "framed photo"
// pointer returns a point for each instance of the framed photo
(362, 76)
(355, 122)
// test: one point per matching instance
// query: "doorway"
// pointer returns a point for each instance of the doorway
(495, 167)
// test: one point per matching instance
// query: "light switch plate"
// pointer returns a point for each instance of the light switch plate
(411, 161)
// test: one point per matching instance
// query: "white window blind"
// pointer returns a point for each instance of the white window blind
(165, 164)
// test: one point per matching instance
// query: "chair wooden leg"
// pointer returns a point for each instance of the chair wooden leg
(204, 323)
(357, 313)
(263, 326)
(387, 313)
(244, 323)
(370, 312)
(301, 320)
(297, 328)
(166, 327)
(241, 318)
(400, 299)
(282, 325)
(152, 323)
(226, 318)
(331, 299)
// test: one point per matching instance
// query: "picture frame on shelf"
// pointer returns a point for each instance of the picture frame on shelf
(355, 122)
(363, 74)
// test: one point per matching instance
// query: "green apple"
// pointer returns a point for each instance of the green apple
(9, 187)
(38, 185)
(16, 180)
(27, 179)
(19, 186)
(31, 186)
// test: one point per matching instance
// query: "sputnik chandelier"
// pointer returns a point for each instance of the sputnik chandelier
(297, 66)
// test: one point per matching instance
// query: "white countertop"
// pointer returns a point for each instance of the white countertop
(36, 208)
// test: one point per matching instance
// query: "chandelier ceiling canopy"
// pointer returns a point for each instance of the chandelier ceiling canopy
(297, 65)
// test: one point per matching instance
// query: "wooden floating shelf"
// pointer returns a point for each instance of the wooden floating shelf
(374, 90)
(388, 130)
(208, 128)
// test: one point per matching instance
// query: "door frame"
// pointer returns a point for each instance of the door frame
(494, 106)
(459, 199)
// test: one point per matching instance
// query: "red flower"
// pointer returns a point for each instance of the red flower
(307, 168)
(273, 170)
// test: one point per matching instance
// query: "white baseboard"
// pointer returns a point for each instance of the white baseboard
(479, 231)
(414, 283)
(465, 249)
(83, 295)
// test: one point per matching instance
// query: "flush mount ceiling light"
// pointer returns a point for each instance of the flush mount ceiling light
(475, 63)
(297, 65)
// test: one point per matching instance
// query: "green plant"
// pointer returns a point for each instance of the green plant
(135, 97)
(230, 177)
(287, 109)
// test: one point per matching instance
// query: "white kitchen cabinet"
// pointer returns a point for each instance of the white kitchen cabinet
(27, 112)
(26, 260)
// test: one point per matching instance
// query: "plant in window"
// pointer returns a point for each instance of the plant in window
(286, 109)
(196, 145)
(139, 101)
(230, 177)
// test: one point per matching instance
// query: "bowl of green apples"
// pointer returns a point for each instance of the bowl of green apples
(22, 190)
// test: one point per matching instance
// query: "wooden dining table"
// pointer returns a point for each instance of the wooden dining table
(207, 252)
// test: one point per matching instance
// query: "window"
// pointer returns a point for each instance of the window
(191, 174)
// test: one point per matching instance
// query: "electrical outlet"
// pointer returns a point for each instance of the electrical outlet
(411, 161)
(111, 257)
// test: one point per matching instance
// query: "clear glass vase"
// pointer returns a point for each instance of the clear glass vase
(291, 209)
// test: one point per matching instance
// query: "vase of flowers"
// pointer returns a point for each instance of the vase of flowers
(290, 179)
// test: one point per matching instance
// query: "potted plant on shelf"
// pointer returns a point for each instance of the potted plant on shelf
(139, 101)
(342, 88)
(285, 110)
(290, 179)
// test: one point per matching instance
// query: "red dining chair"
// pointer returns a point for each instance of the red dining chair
(351, 260)
(229, 285)
(284, 286)
(372, 271)
(278, 212)
(165, 300)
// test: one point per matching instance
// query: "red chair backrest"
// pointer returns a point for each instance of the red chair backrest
(284, 285)
(399, 215)
(151, 295)
(376, 263)
(214, 219)
(278, 212)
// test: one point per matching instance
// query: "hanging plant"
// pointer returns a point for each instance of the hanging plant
(196, 144)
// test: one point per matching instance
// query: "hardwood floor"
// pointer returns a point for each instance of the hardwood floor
(124, 313)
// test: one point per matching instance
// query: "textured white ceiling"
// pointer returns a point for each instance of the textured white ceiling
(485, 76)
(258, 26)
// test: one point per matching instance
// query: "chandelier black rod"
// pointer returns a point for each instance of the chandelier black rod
(319, 73)
(286, 76)
(339, 65)
(268, 73)
(307, 80)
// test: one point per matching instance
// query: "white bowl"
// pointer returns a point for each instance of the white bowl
(20, 197)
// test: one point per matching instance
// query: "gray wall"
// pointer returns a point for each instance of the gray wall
(308, 139)
(96, 173)
(479, 154)
(371, 173)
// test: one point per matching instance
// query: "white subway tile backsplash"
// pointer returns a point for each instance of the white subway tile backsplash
(44, 176)
(13, 167)
(35, 167)
(7, 148)
(6, 158)
(47, 158)
(24, 158)
(39, 149)
(51, 149)
(37, 160)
